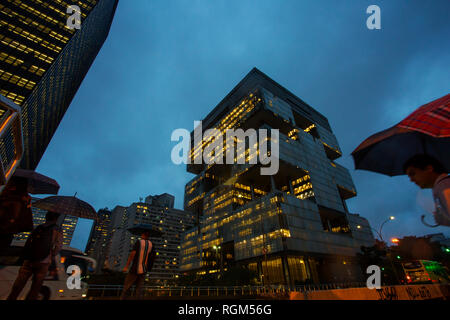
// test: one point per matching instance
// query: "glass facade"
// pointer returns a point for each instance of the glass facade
(284, 225)
(42, 61)
(97, 244)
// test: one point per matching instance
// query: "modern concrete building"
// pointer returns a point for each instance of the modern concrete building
(112, 254)
(43, 62)
(290, 227)
(157, 211)
(98, 239)
(439, 238)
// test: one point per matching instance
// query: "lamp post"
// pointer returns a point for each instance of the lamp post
(264, 251)
(389, 254)
(217, 248)
(381, 227)
(381, 238)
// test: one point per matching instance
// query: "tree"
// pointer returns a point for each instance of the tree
(378, 255)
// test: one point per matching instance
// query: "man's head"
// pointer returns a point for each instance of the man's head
(423, 170)
(51, 216)
(145, 234)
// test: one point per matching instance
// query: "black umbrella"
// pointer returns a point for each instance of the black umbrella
(37, 183)
(140, 228)
(67, 205)
(386, 152)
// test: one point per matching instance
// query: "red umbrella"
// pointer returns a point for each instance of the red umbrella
(432, 118)
(425, 131)
(37, 183)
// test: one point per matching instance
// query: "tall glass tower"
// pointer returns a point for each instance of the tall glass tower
(290, 227)
(43, 61)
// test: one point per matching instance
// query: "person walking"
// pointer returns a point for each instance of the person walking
(141, 259)
(41, 247)
(427, 172)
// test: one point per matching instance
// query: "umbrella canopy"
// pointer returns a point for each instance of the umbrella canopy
(425, 131)
(139, 228)
(37, 183)
(67, 205)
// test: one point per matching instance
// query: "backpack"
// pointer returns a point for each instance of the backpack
(39, 244)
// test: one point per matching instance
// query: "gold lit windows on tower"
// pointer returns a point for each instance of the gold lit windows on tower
(310, 128)
(293, 134)
(230, 121)
(302, 187)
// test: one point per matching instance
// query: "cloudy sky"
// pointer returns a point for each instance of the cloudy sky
(168, 63)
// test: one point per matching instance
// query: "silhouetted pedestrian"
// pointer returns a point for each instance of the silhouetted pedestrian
(141, 257)
(43, 244)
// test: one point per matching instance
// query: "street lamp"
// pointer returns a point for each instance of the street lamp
(216, 248)
(394, 240)
(381, 227)
(388, 219)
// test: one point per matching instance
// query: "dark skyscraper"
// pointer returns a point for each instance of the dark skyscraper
(98, 240)
(290, 227)
(43, 61)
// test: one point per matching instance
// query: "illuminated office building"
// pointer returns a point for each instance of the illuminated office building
(68, 225)
(43, 61)
(290, 227)
(11, 142)
(157, 211)
(98, 239)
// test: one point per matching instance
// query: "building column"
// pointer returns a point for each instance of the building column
(285, 266)
(272, 183)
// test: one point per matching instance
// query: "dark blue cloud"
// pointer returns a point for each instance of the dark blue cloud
(168, 63)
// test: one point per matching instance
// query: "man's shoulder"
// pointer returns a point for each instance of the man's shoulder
(442, 182)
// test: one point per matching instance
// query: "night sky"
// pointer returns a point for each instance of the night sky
(168, 63)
